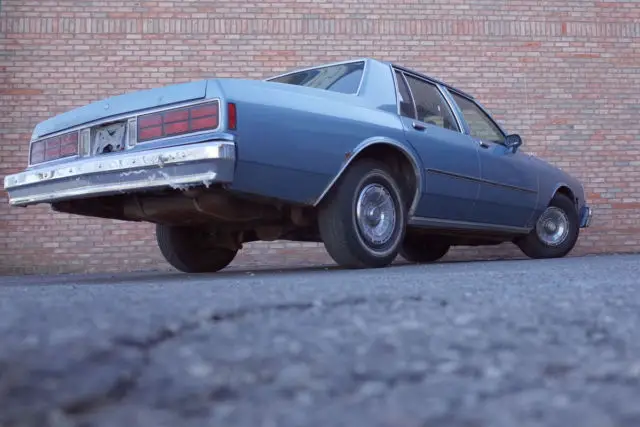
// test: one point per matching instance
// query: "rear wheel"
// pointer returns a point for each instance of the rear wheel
(422, 249)
(190, 250)
(556, 231)
(362, 223)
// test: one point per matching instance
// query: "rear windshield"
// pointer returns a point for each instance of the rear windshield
(343, 78)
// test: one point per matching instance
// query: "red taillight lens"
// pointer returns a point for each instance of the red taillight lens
(54, 148)
(150, 121)
(179, 121)
(176, 128)
(69, 144)
(231, 109)
(207, 110)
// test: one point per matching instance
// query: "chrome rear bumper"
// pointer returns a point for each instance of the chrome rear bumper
(202, 163)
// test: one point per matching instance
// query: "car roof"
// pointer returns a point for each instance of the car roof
(432, 79)
(392, 64)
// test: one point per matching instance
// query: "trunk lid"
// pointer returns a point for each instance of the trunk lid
(122, 104)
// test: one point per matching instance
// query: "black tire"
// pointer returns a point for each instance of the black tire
(343, 238)
(534, 247)
(187, 250)
(423, 249)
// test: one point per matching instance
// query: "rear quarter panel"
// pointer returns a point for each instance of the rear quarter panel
(292, 141)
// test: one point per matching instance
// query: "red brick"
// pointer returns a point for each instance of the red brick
(21, 92)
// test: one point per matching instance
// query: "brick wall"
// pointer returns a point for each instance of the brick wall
(564, 74)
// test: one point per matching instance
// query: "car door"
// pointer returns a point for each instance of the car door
(509, 188)
(451, 165)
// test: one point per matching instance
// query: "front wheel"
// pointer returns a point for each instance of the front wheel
(556, 231)
(363, 221)
(190, 249)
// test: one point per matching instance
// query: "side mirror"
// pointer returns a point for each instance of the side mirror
(513, 141)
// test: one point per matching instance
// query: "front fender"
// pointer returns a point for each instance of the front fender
(554, 180)
(549, 189)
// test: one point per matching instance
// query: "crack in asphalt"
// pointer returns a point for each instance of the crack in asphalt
(114, 394)
(126, 383)
(167, 333)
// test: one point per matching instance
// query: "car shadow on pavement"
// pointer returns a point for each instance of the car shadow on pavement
(151, 276)
(170, 276)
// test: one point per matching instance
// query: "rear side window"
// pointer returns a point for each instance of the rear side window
(430, 105)
(343, 78)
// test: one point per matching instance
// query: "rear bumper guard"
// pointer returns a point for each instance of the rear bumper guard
(585, 216)
(202, 163)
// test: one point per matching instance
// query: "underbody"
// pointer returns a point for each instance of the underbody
(235, 218)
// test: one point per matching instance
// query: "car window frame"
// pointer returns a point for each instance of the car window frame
(443, 96)
(357, 70)
(483, 111)
(396, 83)
(364, 63)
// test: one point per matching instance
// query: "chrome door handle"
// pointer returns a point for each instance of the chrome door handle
(483, 144)
(418, 126)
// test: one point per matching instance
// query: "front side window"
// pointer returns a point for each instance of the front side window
(431, 106)
(481, 126)
(343, 78)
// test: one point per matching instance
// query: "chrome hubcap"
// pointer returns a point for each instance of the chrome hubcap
(553, 226)
(376, 214)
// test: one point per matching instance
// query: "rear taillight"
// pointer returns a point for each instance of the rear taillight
(54, 148)
(178, 121)
(232, 116)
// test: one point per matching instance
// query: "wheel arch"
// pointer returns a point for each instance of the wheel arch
(545, 199)
(381, 148)
(565, 189)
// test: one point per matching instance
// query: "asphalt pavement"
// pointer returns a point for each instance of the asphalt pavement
(499, 343)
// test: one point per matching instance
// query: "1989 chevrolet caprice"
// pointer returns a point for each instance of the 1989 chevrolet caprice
(371, 158)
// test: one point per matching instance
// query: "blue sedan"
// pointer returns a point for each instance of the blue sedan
(371, 158)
